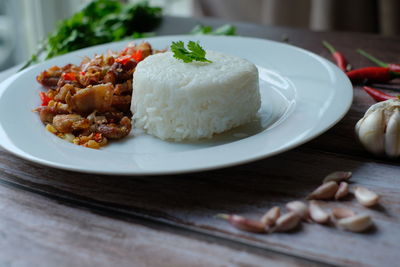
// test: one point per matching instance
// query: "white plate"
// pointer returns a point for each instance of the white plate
(303, 95)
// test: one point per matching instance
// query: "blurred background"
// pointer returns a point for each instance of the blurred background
(24, 23)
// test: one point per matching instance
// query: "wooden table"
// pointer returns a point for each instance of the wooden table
(51, 217)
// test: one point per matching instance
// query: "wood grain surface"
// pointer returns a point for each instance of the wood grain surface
(52, 216)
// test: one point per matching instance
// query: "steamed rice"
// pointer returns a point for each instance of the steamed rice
(175, 100)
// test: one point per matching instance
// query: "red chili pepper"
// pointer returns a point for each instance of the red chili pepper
(125, 50)
(45, 99)
(68, 76)
(339, 58)
(392, 66)
(82, 73)
(123, 60)
(378, 95)
(98, 137)
(372, 74)
(137, 56)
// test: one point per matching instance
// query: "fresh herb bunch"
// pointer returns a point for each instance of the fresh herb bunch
(194, 52)
(99, 22)
(226, 29)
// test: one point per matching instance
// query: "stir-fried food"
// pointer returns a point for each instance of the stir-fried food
(90, 103)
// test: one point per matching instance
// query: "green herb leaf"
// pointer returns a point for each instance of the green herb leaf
(226, 29)
(194, 52)
(201, 29)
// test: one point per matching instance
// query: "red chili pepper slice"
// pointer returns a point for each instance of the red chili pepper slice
(82, 73)
(98, 137)
(377, 94)
(45, 99)
(339, 58)
(137, 56)
(68, 76)
(372, 74)
(123, 60)
(392, 66)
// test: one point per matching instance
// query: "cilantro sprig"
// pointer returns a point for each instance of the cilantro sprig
(193, 52)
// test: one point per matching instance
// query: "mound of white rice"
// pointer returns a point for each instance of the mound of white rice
(175, 100)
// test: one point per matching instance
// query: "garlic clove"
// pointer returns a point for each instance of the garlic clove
(366, 197)
(298, 207)
(317, 214)
(287, 222)
(243, 223)
(392, 135)
(342, 191)
(271, 216)
(337, 176)
(357, 223)
(371, 132)
(340, 213)
(324, 191)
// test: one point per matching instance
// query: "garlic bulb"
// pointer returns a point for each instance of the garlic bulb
(379, 129)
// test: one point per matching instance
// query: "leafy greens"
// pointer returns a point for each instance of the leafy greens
(100, 21)
(226, 29)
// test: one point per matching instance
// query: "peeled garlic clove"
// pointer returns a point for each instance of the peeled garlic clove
(271, 216)
(340, 213)
(243, 223)
(371, 132)
(337, 176)
(298, 207)
(357, 223)
(287, 222)
(392, 135)
(324, 191)
(366, 197)
(342, 191)
(317, 214)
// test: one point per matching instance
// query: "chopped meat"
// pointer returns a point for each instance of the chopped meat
(91, 76)
(121, 72)
(47, 114)
(97, 97)
(91, 102)
(110, 77)
(100, 120)
(49, 78)
(70, 122)
(62, 93)
(114, 116)
(121, 102)
(115, 131)
(123, 88)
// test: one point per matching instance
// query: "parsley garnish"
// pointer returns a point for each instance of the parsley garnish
(194, 52)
